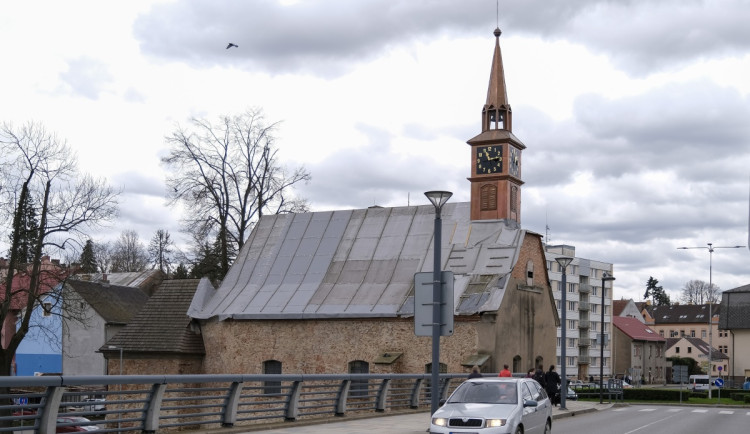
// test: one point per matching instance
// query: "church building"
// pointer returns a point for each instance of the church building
(333, 291)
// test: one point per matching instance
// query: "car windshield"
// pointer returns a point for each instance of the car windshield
(485, 393)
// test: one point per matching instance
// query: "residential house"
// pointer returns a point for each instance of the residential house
(698, 350)
(734, 319)
(34, 353)
(68, 331)
(94, 312)
(333, 291)
(692, 320)
(638, 351)
(161, 338)
(627, 308)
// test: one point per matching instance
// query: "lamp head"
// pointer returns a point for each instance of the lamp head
(438, 198)
(606, 277)
(564, 261)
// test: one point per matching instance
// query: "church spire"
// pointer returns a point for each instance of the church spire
(496, 154)
(496, 114)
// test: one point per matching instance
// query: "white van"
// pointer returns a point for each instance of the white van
(699, 382)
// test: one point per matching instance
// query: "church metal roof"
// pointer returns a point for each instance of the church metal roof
(361, 263)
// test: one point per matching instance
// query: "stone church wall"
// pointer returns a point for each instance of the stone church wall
(327, 346)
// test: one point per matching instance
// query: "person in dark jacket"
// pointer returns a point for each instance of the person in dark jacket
(552, 379)
(475, 372)
(539, 377)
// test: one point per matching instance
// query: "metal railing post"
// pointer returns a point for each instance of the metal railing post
(52, 399)
(231, 404)
(292, 405)
(153, 408)
(382, 395)
(342, 397)
(415, 392)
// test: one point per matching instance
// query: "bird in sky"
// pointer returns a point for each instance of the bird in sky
(231, 45)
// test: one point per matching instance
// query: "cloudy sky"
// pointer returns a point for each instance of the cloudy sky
(635, 114)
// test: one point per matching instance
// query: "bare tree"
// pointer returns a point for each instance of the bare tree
(38, 169)
(129, 254)
(160, 251)
(699, 292)
(228, 175)
(103, 256)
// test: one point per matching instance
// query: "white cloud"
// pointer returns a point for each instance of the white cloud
(634, 113)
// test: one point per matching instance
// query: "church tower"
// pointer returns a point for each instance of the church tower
(496, 154)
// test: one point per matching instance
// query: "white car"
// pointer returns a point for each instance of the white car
(94, 404)
(494, 405)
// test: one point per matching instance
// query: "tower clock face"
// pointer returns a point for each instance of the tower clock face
(489, 160)
(515, 161)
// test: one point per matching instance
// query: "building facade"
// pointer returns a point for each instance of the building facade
(638, 352)
(334, 291)
(734, 320)
(585, 302)
(692, 321)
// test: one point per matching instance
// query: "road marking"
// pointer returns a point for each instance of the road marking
(649, 424)
(648, 409)
(726, 412)
(620, 409)
(700, 411)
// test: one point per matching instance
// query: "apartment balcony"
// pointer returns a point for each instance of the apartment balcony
(583, 324)
(584, 288)
(584, 359)
(583, 344)
(584, 306)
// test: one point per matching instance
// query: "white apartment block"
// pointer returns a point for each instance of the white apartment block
(585, 302)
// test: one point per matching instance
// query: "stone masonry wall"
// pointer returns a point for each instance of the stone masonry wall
(327, 346)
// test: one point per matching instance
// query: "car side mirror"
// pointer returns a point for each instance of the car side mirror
(530, 403)
(442, 402)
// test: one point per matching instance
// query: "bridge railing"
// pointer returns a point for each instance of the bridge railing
(158, 403)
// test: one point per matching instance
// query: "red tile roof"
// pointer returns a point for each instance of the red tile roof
(636, 330)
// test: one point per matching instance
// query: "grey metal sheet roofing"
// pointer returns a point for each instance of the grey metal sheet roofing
(735, 309)
(360, 263)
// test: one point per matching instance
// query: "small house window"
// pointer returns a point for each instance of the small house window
(272, 367)
(530, 273)
(47, 307)
(359, 387)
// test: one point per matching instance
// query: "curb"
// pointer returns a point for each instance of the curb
(571, 413)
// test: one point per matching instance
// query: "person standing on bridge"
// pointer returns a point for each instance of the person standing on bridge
(552, 379)
(475, 372)
(505, 372)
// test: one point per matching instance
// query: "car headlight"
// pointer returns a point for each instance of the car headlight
(440, 421)
(492, 423)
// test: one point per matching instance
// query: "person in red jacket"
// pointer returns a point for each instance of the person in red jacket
(505, 372)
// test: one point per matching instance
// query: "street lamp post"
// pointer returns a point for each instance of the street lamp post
(710, 249)
(606, 277)
(564, 261)
(438, 199)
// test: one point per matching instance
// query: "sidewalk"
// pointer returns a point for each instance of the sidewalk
(409, 423)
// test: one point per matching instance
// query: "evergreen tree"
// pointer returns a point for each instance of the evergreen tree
(657, 293)
(208, 263)
(87, 259)
(181, 272)
(26, 232)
